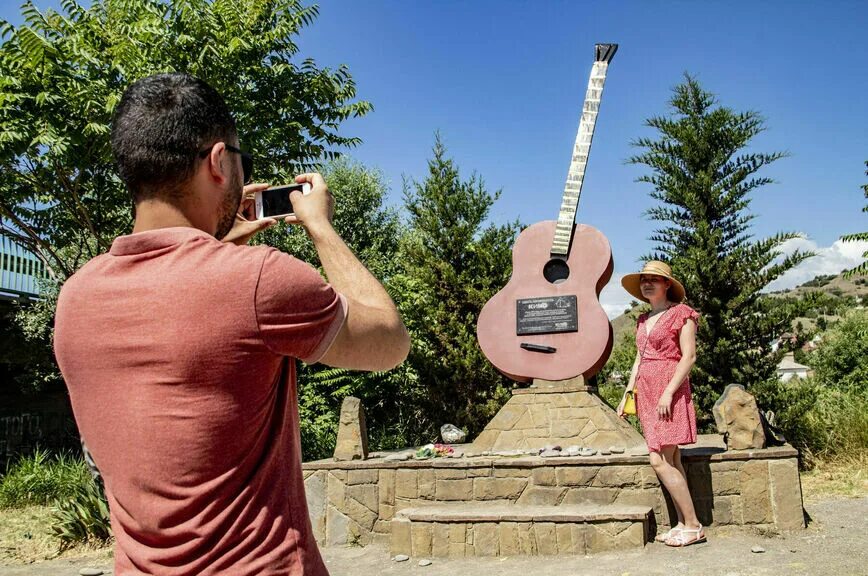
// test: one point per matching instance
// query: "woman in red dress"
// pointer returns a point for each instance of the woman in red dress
(666, 345)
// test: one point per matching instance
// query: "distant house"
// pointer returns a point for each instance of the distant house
(788, 368)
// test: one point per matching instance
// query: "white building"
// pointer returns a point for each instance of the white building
(788, 368)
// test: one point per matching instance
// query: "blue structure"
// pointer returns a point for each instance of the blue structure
(19, 272)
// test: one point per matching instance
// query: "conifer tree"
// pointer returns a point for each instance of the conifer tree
(702, 177)
(859, 236)
(453, 263)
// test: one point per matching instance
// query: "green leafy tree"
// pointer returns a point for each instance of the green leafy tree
(62, 74)
(373, 231)
(453, 264)
(859, 236)
(842, 358)
(702, 178)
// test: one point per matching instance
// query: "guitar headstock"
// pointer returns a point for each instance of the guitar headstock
(605, 52)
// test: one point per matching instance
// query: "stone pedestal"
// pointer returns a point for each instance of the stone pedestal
(352, 442)
(564, 413)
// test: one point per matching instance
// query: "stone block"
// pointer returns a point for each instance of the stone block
(755, 497)
(363, 476)
(579, 535)
(786, 488)
(382, 527)
(450, 473)
(425, 482)
(542, 495)
(565, 538)
(567, 428)
(450, 490)
(726, 510)
(526, 539)
(486, 439)
(479, 472)
(316, 492)
(509, 440)
(387, 511)
(457, 549)
(648, 478)
(546, 538)
(576, 475)
(724, 483)
(457, 533)
(485, 539)
(337, 527)
(337, 491)
(352, 441)
(498, 488)
(544, 477)
(386, 487)
(507, 417)
(422, 534)
(508, 539)
(632, 537)
(361, 514)
(591, 496)
(617, 477)
(367, 494)
(511, 472)
(405, 484)
(440, 540)
(401, 541)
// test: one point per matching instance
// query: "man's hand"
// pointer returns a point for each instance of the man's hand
(314, 209)
(246, 225)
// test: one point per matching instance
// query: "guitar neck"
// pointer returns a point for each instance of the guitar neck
(576, 175)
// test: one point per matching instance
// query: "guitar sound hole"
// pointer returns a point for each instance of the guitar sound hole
(556, 271)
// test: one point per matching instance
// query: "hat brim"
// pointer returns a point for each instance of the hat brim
(630, 282)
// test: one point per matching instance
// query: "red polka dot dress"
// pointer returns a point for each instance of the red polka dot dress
(660, 352)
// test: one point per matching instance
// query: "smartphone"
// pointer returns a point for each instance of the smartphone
(274, 202)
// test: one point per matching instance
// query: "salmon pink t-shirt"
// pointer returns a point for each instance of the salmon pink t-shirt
(178, 351)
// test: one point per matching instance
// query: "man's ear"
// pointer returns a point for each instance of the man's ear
(218, 163)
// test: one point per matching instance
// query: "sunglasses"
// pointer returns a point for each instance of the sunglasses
(246, 160)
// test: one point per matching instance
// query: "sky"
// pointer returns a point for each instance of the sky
(503, 82)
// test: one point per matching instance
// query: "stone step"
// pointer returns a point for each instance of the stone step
(462, 530)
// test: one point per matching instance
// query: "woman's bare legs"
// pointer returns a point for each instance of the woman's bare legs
(667, 465)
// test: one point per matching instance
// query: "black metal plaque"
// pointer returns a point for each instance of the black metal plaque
(547, 315)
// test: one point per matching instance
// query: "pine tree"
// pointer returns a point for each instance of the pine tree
(452, 266)
(859, 236)
(702, 178)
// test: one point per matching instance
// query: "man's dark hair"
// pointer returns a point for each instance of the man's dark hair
(161, 124)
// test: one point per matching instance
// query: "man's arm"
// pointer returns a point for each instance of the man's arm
(373, 336)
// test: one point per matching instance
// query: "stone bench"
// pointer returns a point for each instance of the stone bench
(462, 530)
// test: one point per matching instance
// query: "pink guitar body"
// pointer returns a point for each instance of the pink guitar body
(581, 352)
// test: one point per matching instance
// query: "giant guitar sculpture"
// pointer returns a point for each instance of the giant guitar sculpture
(547, 322)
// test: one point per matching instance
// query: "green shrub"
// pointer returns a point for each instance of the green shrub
(841, 361)
(822, 422)
(82, 516)
(40, 478)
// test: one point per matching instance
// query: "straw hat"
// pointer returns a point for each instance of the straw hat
(630, 282)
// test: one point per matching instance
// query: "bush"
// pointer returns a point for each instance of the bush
(842, 360)
(83, 516)
(40, 478)
(822, 422)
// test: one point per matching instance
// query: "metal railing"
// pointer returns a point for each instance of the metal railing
(19, 271)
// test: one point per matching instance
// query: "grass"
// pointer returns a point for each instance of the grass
(40, 478)
(842, 477)
(25, 537)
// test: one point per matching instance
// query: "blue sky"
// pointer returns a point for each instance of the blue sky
(504, 81)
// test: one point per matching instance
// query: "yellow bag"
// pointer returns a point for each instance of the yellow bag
(630, 404)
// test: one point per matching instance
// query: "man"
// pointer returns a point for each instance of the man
(178, 348)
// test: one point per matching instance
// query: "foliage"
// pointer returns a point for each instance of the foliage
(859, 236)
(702, 178)
(452, 267)
(82, 516)
(40, 477)
(620, 362)
(842, 360)
(62, 74)
(373, 231)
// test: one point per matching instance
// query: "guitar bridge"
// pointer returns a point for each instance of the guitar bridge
(538, 348)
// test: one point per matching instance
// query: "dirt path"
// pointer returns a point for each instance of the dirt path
(836, 542)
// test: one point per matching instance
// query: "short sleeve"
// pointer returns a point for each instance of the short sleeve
(297, 312)
(686, 313)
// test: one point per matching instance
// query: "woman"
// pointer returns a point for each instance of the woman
(666, 344)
